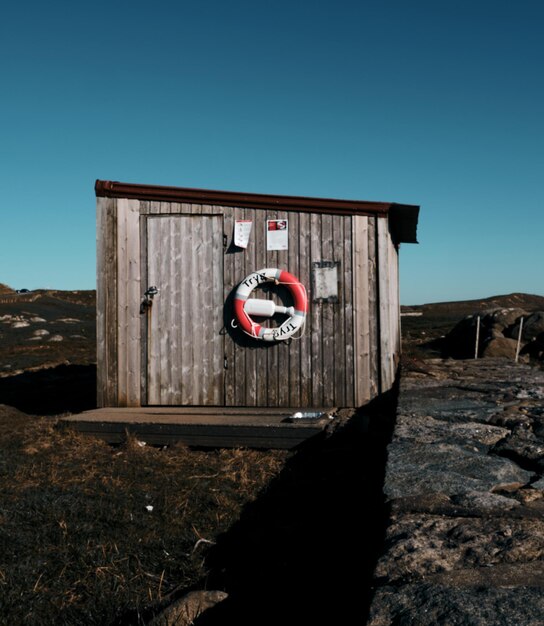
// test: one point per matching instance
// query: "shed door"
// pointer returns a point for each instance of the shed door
(185, 346)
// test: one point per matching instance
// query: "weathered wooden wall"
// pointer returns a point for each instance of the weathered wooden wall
(349, 349)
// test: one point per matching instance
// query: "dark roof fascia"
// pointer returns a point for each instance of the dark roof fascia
(112, 189)
(403, 220)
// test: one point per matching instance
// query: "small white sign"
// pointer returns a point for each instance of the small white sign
(242, 230)
(277, 234)
(325, 283)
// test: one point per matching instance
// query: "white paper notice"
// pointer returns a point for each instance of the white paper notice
(242, 230)
(277, 234)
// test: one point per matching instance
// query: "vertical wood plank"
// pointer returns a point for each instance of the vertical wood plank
(327, 320)
(187, 311)
(196, 395)
(153, 344)
(106, 289)
(176, 313)
(361, 311)
(122, 299)
(339, 309)
(101, 353)
(384, 290)
(128, 293)
(349, 335)
(143, 316)
(133, 290)
(229, 282)
(316, 317)
(394, 304)
(204, 245)
(163, 305)
(305, 342)
(218, 346)
(373, 316)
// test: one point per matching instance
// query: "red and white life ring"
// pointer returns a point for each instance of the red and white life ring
(245, 306)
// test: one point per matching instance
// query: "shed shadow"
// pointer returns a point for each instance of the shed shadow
(51, 391)
(305, 551)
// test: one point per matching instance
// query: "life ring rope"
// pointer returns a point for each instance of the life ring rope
(297, 319)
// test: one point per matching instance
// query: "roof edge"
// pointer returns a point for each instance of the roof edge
(113, 189)
(403, 216)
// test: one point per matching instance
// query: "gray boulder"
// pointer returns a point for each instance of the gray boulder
(187, 609)
(500, 347)
(427, 604)
(460, 342)
(415, 468)
(424, 545)
(533, 326)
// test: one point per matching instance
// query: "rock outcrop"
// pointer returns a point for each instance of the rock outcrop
(465, 490)
(498, 335)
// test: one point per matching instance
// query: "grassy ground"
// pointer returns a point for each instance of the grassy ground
(90, 533)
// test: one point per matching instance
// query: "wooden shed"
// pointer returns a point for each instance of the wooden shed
(182, 345)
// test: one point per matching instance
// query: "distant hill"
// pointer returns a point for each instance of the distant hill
(45, 328)
(526, 301)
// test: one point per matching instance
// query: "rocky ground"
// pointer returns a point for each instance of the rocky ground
(465, 490)
(45, 328)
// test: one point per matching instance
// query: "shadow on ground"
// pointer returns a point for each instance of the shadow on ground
(61, 389)
(304, 552)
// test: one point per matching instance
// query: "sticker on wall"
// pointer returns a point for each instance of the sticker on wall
(277, 234)
(242, 230)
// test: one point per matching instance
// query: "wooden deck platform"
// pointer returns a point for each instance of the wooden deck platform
(216, 427)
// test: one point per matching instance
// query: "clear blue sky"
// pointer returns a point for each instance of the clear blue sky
(436, 102)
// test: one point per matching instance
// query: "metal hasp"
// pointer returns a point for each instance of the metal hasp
(148, 299)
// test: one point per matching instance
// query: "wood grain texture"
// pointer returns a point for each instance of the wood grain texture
(185, 346)
(361, 310)
(316, 316)
(304, 344)
(387, 372)
(128, 293)
(373, 310)
(106, 302)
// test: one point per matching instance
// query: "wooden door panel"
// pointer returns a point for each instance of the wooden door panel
(185, 346)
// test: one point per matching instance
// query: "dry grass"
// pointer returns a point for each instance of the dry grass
(89, 532)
